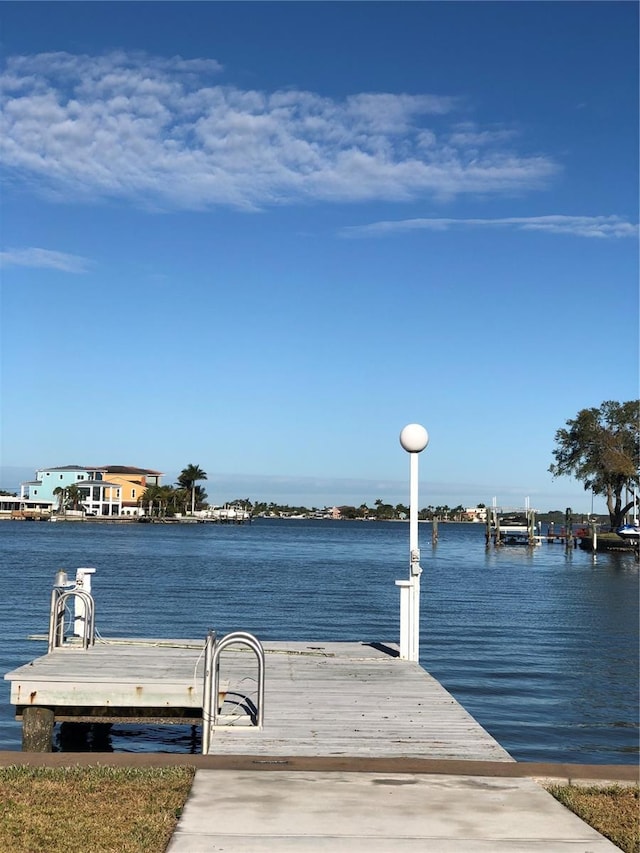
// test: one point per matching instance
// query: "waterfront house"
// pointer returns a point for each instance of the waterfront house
(98, 495)
(48, 480)
(104, 490)
(475, 513)
(132, 483)
(12, 506)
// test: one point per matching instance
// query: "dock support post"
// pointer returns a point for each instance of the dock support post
(406, 626)
(568, 526)
(434, 531)
(37, 729)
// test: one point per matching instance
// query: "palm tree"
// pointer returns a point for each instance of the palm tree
(74, 496)
(180, 500)
(59, 492)
(151, 496)
(188, 478)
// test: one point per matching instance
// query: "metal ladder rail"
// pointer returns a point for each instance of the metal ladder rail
(213, 649)
(246, 639)
(56, 622)
(207, 697)
(56, 617)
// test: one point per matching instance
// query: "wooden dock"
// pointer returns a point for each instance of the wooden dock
(355, 699)
(321, 699)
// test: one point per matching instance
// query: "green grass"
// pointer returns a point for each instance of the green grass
(613, 811)
(101, 809)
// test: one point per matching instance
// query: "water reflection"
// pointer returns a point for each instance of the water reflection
(82, 737)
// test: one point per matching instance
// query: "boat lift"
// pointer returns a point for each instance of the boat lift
(512, 526)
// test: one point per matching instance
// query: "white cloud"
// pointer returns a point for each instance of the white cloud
(581, 226)
(44, 258)
(164, 132)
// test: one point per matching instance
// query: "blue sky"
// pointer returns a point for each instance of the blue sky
(263, 237)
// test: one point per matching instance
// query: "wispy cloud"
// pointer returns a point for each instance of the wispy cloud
(580, 226)
(44, 259)
(165, 132)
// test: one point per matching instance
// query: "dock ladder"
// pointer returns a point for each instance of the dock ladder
(212, 717)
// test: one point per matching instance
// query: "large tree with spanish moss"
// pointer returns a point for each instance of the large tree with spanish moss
(601, 448)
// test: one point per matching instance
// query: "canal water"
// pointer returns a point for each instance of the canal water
(539, 645)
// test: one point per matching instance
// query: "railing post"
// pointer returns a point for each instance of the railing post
(207, 698)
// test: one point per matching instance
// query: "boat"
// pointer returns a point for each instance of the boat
(224, 515)
(630, 532)
(514, 521)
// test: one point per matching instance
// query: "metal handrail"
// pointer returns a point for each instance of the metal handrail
(210, 709)
(207, 698)
(56, 617)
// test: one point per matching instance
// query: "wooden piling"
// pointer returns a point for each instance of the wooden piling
(568, 521)
(434, 531)
(37, 729)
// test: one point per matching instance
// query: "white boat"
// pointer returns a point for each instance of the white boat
(224, 515)
(629, 531)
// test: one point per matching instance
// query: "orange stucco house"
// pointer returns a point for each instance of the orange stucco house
(132, 483)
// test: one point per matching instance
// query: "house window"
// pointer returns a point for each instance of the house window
(61, 475)
(133, 494)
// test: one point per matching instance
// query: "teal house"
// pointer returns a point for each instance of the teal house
(98, 496)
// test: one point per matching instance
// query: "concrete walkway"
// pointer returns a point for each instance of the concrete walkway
(244, 811)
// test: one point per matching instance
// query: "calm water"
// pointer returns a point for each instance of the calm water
(540, 646)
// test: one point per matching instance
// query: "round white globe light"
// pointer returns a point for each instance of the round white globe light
(414, 438)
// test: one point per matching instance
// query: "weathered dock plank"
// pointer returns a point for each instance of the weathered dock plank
(112, 674)
(353, 699)
(321, 699)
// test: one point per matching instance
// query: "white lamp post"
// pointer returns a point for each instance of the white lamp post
(413, 438)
